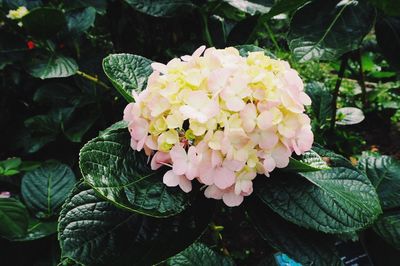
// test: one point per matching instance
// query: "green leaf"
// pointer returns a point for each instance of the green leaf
(333, 29)
(245, 49)
(388, 227)
(54, 66)
(93, 231)
(384, 173)
(162, 8)
(338, 200)
(305, 246)
(11, 164)
(332, 159)
(13, 218)
(349, 116)
(38, 229)
(79, 21)
(321, 101)
(387, 30)
(283, 6)
(45, 189)
(44, 22)
(390, 7)
(308, 162)
(127, 72)
(199, 254)
(124, 176)
(251, 7)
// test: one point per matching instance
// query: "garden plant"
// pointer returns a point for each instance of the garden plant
(194, 132)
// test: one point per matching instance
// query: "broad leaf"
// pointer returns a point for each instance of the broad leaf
(305, 246)
(38, 229)
(332, 30)
(321, 104)
(308, 162)
(283, 6)
(79, 21)
(332, 159)
(384, 173)
(162, 8)
(388, 227)
(93, 231)
(45, 189)
(387, 30)
(245, 49)
(199, 254)
(124, 176)
(127, 72)
(53, 66)
(338, 200)
(44, 22)
(251, 7)
(349, 116)
(13, 218)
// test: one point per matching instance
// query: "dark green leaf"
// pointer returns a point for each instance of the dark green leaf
(38, 229)
(321, 104)
(44, 22)
(251, 7)
(127, 72)
(161, 8)
(79, 21)
(12, 163)
(305, 246)
(13, 218)
(45, 189)
(338, 200)
(333, 29)
(349, 116)
(199, 254)
(333, 159)
(93, 231)
(245, 49)
(388, 227)
(308, 162)
(283, 6)
(123, 176)
(384, 173)
(390, 7)
(387, 30)
(54, 66)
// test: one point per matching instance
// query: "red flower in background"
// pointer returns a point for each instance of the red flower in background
(30, 45)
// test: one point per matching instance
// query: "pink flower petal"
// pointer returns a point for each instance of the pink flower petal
(179, 159)
(213, 192)
(170, 179)
(185, 184)
(223, 177)
(231, 199)
(158, 159)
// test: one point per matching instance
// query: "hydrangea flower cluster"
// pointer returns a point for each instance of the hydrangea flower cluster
(17, 13)
(220, 118)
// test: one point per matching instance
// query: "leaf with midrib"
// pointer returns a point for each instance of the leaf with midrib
(123, 176)
(333, 30)
(53, 66)
(93, 231)
(13, 218)
(388, 227)
(308, 162)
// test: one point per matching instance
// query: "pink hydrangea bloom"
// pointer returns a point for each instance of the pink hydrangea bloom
(221, 119)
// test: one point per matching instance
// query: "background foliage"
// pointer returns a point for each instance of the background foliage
(55, 97)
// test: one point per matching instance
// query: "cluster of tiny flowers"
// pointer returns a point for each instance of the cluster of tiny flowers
(220, 118)
(17, 13)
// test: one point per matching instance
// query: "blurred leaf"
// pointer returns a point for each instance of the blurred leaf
(338, 200)
(56, 94)
(13, 218)
(45, 189)
(388, 227)
(390, 7)
(93, 231)
(44, 22)
(384, 173)
(387, 30)
(79, 21)
(349, 116)
(332, 30)
(305, 246)
(251, 7)
(127, 72)
(199, 254)
(162, 8)
(283, 6)
(38, 229)
(54, 66)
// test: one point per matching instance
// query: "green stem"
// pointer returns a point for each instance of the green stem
(361, 80)
(336, 91)
(206, 31)
(272, 36)
(93, 79)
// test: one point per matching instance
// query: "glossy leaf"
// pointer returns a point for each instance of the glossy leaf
(44, 22)
(349, 116)
(305, 246)
(321, 104)
(13, 218)
(199, 254)
(93, 231)
(251, 7)
(388, 227)
(79, 21)
(123, 176)
(338, 200)
(45, 189)
(308, 162)
(53, 66)
(161, 8)
(333, 29)
(127, 72)
(384, 173)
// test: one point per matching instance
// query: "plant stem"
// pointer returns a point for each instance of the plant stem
(93, 79)
(336, 91)
(361, 80)
(272, 36)
(206, 31)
